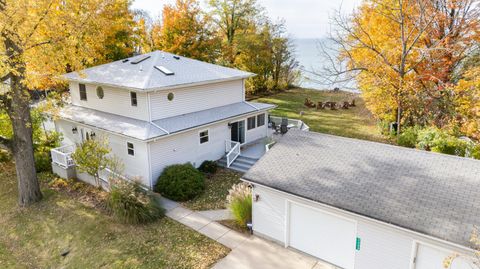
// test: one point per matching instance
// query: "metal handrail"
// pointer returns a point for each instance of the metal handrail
(233, 149)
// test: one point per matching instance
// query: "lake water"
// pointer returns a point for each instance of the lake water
(311, 61)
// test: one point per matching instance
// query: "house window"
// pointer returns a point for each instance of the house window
(204, 137)
(260, 120)
(133, 98)
(170, 96)
(251, 123)
(130, 149)
(83, 92)
(100, 93)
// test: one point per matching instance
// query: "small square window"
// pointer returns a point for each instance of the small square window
(260, 120)
(133, 98)
(130, 149)
(204, 137)
(83, 92)
(251, 123)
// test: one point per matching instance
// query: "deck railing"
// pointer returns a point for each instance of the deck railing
(233, 151)
(63, 155)
(293, 122)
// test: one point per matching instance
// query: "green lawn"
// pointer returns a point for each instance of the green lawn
(356, 122)
(35, 237)
(216, 191)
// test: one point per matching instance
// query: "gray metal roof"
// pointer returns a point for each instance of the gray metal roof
(145, 130)
(134, 128)
(195, 119)
(144, 75)
(431, 193)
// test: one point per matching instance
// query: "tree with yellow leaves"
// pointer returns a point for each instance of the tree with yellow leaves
(39, 40)
(186, 30)
(403, 54)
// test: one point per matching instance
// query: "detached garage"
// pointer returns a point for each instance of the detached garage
(366, 205)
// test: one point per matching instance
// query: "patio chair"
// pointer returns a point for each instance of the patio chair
(320, 105)
(284, 121)
(346, 105)
(283, 129)
(275, 127)
(333, 105)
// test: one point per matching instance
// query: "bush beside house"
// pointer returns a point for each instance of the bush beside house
(208, 167)
(180, 182)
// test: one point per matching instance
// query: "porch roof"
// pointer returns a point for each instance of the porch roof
(196, 119)
(144, 130)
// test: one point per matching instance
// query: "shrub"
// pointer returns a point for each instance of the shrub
(240, 203)
(43, 162)
(180, 182)
(408, 138)
(130, 204)
(209, 167)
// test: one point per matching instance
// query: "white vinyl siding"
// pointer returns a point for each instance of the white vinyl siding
(115, 101)
(196, 98)
(257, 132)
(186, 147)
(134, 167)
(382, 245)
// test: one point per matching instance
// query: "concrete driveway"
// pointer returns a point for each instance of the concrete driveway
(255, 252)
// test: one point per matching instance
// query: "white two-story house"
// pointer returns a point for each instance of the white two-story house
(159, 109)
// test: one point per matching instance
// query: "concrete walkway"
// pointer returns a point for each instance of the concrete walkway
(216, 215)
(247, 251)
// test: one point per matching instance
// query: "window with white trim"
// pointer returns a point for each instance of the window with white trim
(130, 149)
(133, 98)
(204, 137)
(260, 120)
(83, 92)
(251, 123)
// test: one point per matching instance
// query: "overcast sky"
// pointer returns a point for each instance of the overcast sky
(304, 18)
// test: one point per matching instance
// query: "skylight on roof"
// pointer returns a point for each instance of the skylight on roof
(164, 70)
(139, 60)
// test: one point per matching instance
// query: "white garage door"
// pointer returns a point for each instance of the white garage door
(325, 236)
(432, 258)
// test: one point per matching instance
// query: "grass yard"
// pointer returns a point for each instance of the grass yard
(216, 191)
(356, 122)
(35, 237)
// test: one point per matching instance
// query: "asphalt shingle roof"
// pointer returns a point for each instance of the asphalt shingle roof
(145, 130)
(431, 193)
(144, 75)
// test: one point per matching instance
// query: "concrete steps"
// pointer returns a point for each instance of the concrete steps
(241, 164)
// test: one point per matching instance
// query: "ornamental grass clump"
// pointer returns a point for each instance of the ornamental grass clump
(131, 204)
(239, 201)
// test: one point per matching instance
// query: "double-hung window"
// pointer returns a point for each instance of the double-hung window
(130, 149)
(251, 123)
(83, 92)
(133, 98)
(204, 137)
(260, 120)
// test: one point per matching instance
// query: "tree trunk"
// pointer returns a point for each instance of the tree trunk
(18, 109)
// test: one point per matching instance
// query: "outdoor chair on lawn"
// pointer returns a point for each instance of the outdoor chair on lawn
(346, 105)
(320, 105)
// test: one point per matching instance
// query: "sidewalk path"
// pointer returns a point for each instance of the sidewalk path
(247, 251)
